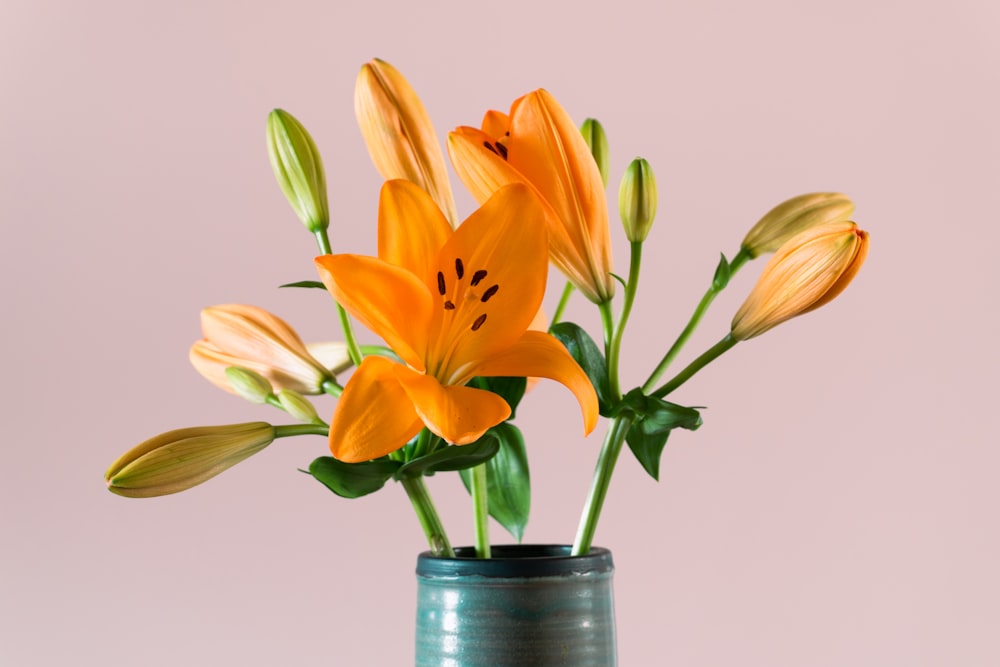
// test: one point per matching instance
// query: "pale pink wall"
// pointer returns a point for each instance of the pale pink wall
(839, 507)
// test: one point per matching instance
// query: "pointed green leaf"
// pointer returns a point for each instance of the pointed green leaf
(647, 448)
(722, 274)
(452, 457)
(508, 484)
(654, 419)
(583, 348)
(352, 480)
(305, 283)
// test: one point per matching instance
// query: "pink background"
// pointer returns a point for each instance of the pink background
(839, 507)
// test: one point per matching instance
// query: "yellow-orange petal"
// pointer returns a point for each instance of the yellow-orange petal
(458, 414)
(504, 267)
(411, 228)
(496, 124)
(481, 169)
(538, 354)
(387, 299)
(547, 148)
(374, 415)
(399, 134)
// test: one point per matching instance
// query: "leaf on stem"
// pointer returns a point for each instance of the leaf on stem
(722, 274)
(654, 420)
(352, 480)
(508, 484)
(315, 284)
(452, 457)
(586, 353)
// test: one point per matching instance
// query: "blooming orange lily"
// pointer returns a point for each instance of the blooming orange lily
(453, 305)
(538, 144)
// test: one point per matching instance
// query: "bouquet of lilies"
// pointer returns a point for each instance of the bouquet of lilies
(458, 306)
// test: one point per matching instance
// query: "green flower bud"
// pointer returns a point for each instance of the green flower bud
(249, 384)
(796, 215)
(298, 168)
(178, 460)
(597, 140)
(298, 406)
(637, 200)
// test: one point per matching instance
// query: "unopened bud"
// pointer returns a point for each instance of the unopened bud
(249, 384)
(793, 216)
(804, 274)
(597, 141)
(637, 200)
(178, 460)
(298, 406)
(298, 168)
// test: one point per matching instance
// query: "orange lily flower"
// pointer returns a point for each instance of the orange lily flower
(538, 144)
(808, 271)
(251, 337)
(453, 305)
(399, 134)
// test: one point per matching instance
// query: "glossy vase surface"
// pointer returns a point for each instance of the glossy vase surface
(529, 605)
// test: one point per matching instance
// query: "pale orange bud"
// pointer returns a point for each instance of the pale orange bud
(808, 271)
(178, 460)
(793, 216)
(251, 337)
(399, 134)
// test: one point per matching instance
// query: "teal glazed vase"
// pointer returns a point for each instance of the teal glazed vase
(527, 606)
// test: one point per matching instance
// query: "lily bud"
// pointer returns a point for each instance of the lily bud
(597, 141)
(332, 355)
(298, 406)
(178, 460)
(399, 135)
(637, 200)
(808, 271)
(793, 216)
(298, 168)
(252, 338)
(249, 384)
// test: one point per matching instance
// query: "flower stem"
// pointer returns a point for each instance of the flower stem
(563, 300)
(614, 350)
(608, 324)
(610, 450)
(323, 241)
(416, 490)
(739, 260)
(706, 357)
(290, 430)
(480, 510)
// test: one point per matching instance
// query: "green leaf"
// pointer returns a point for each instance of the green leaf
(452, 457)
(510, 389)
(583, 348)
(305, 283)
(722, 274)
(508, 484)
(654, 420)
(352, 480)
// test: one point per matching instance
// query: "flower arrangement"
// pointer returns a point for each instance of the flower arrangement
(458, 306)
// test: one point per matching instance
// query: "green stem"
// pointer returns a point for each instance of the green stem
(332, 388)
(738, 261)
(290, 430)
(608, 324)
(480, 510)
(706, 357)
(610, 450)
(614, 350)
(563, 300)
(323, 241)
(416, 490)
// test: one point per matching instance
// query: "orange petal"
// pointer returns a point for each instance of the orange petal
(411, 228)
(399, 134)
(547, 148)
(458, 414)
(387, 299)
(496, 124)
(482, 170)
(502, 249)
(539, 354)
(374, 415)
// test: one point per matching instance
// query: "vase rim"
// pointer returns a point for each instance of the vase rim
(516, 560)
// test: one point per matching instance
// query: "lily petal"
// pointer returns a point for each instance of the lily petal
(538, 354)
(374, 415)
(493, 271)
(411, 228)
(399, 134)
(458, 414)
(387, 299)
